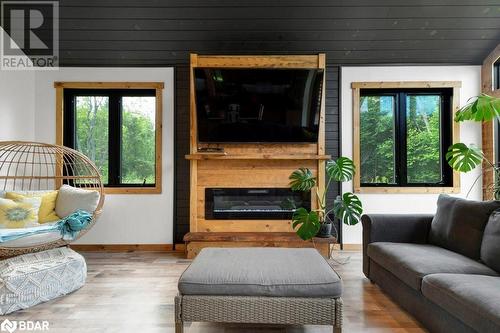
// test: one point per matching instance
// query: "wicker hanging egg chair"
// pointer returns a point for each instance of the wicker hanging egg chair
(33, 166)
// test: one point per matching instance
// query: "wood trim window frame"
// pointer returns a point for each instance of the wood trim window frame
(490, 129)
(455, 127)
(157, 86)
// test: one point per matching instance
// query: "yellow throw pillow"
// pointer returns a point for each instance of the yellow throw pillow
(19, 213)
(47, 212)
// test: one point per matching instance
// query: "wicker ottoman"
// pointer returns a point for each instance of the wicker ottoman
(30, 279)
(259, 285)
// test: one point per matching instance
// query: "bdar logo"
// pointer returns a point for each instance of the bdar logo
(8, 326)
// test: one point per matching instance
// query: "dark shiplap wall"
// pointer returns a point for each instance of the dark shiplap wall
(164, 32)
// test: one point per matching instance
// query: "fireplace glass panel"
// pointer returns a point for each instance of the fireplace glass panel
(253, 203)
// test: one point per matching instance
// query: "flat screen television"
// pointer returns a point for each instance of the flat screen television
(258, 105)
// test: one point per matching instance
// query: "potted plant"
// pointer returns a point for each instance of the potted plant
(348, 207)
(464, 158)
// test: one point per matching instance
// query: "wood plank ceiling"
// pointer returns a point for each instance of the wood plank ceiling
(156, 32)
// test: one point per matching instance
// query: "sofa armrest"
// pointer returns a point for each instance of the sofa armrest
(396, 228)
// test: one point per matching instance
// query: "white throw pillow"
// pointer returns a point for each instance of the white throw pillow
(70, 199)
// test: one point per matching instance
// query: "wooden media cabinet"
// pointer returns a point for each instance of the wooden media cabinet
(249, 165)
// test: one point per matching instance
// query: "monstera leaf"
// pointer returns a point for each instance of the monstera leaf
(348, 209)
(464, 158)
(341, 170)
(288, 203)
(484, 108)
(307, 223)
(302, 180)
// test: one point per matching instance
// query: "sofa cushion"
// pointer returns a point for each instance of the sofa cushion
(474, 299)
(274, 272)
(411, 262)
(490, 247)
(459, 224)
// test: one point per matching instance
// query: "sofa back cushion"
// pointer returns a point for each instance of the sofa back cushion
(459, 224)
(490, 248)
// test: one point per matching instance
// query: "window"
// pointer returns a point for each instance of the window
(496, 75)
(403, 135)
(119, 129)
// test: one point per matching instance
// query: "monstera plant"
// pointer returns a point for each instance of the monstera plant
(347, 208)
(464, 158)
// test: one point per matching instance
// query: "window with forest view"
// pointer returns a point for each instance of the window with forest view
(116, 129)
(404, 135)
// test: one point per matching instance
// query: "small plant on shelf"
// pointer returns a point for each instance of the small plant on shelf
(464, 158)
(347, 208)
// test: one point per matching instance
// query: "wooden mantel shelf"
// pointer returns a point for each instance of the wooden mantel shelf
(263, 156)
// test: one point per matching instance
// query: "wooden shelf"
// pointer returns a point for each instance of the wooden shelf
(250, 237)
(265, 156)
(196, 241)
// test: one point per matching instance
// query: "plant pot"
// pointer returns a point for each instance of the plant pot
(325, 230)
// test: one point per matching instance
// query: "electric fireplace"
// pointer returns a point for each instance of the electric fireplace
(253, 203)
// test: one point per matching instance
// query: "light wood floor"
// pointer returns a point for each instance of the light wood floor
(133, 292)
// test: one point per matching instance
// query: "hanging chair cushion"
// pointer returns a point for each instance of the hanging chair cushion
(33, 240)
(47, 211)
(30, 279)
(71, 199)
(68, 228)
(20, 213)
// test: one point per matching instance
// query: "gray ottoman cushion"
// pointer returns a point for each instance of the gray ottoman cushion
(459, 224)
(30, 279)
(490, 248)
(411, 262)
(473, 299)
(273, 272)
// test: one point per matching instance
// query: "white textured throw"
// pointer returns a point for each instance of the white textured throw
(30, 279)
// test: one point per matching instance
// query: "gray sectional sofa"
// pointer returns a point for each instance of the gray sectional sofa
(443, 269)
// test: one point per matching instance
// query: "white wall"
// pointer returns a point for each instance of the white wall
(126, 219)
(469, 133)
(17, 97)
(17, 105)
